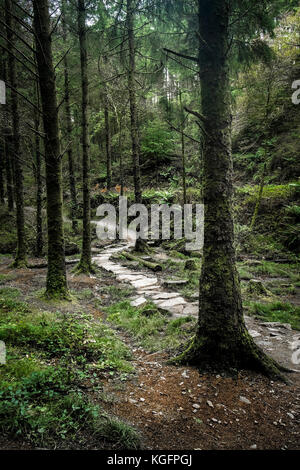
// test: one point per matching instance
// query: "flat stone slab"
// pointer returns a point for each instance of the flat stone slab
(165, 295)
(130, 277)
(151, 290)
(138, 302)
(141, 283)
(191, 310)
(177, 311)
(171, 302)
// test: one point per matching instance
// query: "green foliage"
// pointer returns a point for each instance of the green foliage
(157, 141)
(49, 357)
(149, 327)
(277, 312)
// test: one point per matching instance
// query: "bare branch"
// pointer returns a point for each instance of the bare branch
(184, 56)
(195, 113)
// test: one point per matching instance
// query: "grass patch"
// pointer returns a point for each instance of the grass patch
(50, 357)
(151, 329)
(277, 312)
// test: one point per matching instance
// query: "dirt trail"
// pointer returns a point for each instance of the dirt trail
(179, 408)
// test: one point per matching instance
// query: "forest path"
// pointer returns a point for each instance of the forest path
(180, 408)
(276, 339)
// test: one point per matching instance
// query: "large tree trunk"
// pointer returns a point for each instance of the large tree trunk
(182, 149)
(20, 259)
(107, 141)
(85, 264)
(8, 172)
(69, 127)
(222, 340)
(133, 105)
(140, 244)
(39, 184)
(56, 276)
(2, 162)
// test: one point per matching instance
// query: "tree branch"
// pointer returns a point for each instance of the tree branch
(195, 113)
(183, 133)
(184, 56)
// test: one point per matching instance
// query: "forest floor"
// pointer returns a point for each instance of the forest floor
(176, 407)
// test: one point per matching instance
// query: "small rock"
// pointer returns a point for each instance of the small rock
(195, 405)
(254, 446)
(142, 399)
(245, 400)
(131, 400)
(210, 403)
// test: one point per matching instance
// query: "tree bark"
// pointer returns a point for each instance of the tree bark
(182, 150)
(21, 258)
(2, 161)
(72, 183)
(39, 183)
(56, 275)
(133, 105)
(140, 245)
(107, 143)
(222, 340)
(5, 151)
(85, 264)
(8, 172)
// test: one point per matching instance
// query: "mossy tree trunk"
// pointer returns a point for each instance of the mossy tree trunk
(2, 160)
(259, 197)
(56, 276)
(140, 244)
(8, 173)
(85, 264)
(107, 143)
(21, 258)
(72, 183)
(6, 154)
(222, 340)
(105, 100)
(182, 149)
(133, 103)
(39, 181)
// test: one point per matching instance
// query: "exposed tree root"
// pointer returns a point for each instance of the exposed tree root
(206, 353)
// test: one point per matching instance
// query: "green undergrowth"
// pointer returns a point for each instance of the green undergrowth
(249, 270)
(276, 312)
(151, 328)
(51, 357)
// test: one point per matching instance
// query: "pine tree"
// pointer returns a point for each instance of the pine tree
(56, 275)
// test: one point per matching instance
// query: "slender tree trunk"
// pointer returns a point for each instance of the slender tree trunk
(222, 340)
(183, 150)
(140, 244)
(259, 198)
(107, 142)
(133, 105)
(2, 161)
(56, 276)
(6, 151)
(72, 183)
(8, 171)
(20, 259)
(39, 184)
(85, 264)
